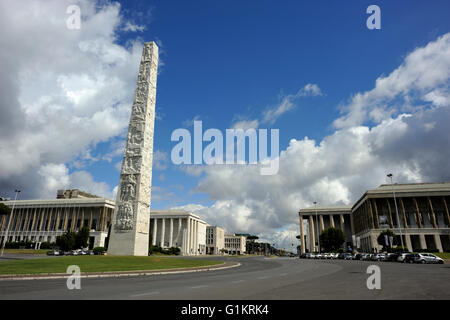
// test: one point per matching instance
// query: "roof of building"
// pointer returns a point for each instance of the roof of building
(326, 210)
(406, 190)
(174, 213)
(76, 202)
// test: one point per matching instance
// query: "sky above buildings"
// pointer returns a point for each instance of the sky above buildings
(351, 104)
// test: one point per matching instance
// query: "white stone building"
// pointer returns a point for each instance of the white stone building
(235, 244)
(215, 240)
(44, 220)
(178, 228)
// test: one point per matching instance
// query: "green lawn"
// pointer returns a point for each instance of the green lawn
(27, 251)
(98, 264)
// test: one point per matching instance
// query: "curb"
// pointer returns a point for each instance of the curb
(117, 274)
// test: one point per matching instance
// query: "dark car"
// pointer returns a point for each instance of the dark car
(392, 257)
(357, 256)
(410, 258)
(341, 256)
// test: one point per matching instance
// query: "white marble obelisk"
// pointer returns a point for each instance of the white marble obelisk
(130, 229)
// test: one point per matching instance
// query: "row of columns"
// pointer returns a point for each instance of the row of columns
(49, 218)
(312, 230)
(371, 219)
(191, 243)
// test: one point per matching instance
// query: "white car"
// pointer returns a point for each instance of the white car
(427, 258)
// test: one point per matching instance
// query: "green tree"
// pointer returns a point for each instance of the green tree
(82, 238)
(382, 241)
(4, 209)
(66, 241)
(331, 239)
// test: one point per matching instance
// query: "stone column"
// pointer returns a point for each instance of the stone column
(331, 221)
(189, 235)
(155, 230)
(130, 232)
(170, 232)
(163, 232)
(418, 216)
(446, 211)
(405, 222)
(312, 238)
(423, 242)
(322, 226)
(408, 242)
(437, 241)
(195, 237)
(342, 220)
(433, 216)
(391, 222)
(302, 236)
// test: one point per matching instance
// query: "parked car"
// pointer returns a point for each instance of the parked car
(410, 258)
(357, 256)
(348, 256)
(402, 256)
(427, 258)
(53, 253)
(379, 257)
(341, 256)
(392, 257)
(334, 255)
(312, 255)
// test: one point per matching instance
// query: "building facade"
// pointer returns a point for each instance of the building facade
(423, 216)
(215, 240)
(235, 244)
(314, 220)
(178, 228)
(44, 220)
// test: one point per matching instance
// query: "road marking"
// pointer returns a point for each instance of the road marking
(198, 287)
(145, 294)
(237, 281)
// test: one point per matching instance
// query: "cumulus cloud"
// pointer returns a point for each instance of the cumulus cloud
(405, 139)
(62, 91)
(422, 78)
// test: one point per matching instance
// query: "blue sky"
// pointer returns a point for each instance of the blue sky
(225, 62)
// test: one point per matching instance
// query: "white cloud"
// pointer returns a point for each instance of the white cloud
(133, 27)
(271, 115)
(62, 91)
(422, 77)
(412, 145)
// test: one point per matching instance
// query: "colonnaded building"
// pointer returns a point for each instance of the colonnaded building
(178, 228)
(44, 220)
(423, 218)
(319, 219)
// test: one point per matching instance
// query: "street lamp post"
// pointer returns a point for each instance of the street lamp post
(317, 226)
(9, 223)
(396, 211)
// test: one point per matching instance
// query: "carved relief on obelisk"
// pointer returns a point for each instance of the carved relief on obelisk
(130, 229)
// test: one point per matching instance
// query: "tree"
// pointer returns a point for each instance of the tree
(82, 238)
(4, 209)
(381, 239)
(332, 239)
(66, 241)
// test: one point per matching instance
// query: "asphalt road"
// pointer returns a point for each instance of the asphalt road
(257, 278)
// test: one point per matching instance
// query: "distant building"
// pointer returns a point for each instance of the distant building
(338, 217)
(423, 210)
(215, 240)
(178, 228)
(44, 220)
(235, 244)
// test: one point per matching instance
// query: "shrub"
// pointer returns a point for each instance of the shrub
(99, 250)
